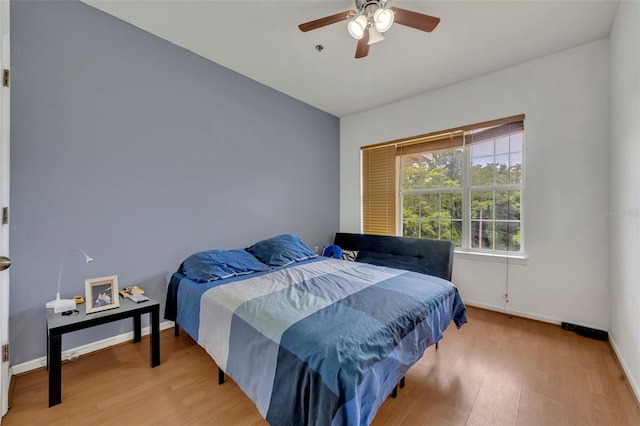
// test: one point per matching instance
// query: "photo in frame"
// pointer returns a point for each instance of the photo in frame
(101, 293)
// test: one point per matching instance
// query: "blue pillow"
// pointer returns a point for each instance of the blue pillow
(218, 264)
(281, 250)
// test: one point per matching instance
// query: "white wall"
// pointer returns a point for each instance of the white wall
(565, 99)
(625, 189)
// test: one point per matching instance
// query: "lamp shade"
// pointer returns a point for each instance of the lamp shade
(374, 36)
(383, 19)
(357, 26)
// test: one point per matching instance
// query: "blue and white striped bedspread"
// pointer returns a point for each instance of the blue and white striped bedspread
(323, 342)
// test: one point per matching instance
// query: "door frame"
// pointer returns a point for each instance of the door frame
(5, 376)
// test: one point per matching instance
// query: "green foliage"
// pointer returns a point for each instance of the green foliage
(433, 193)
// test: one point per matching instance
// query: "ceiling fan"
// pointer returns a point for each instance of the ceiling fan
(371, 19)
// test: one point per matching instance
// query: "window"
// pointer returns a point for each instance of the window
(463, 185)
(432, 195)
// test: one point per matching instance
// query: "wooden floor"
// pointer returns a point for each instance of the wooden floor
(496, 370)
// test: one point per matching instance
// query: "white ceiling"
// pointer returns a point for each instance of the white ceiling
(261, 40)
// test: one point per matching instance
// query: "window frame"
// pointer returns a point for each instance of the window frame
(442, 140)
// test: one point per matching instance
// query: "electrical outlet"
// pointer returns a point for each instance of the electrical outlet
(506, 297)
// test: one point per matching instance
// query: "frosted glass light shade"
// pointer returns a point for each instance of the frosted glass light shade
(357, 26)
(383, 19)
(374, 36)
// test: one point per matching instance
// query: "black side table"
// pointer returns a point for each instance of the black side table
(58, 324)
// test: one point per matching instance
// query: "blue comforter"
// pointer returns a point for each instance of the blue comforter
(320, 342)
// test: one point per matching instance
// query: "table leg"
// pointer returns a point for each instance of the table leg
(48, 349)
(155, 336)
(55, 369)
(137, 328)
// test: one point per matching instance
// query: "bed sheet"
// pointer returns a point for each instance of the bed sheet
(320, 342)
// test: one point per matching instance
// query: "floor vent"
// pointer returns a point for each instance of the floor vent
(586, 331)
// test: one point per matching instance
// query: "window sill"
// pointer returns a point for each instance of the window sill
(512, 259)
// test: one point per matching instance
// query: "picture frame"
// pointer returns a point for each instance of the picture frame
(101, 293)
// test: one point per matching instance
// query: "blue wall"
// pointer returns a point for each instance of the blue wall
(141, 153)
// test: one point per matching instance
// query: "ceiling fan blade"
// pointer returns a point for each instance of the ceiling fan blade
(362, 49)
(327, 20)
(415, 20)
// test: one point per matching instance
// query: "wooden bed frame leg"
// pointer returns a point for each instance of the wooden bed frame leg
(394, 394)
(176, 329)
(437, 345)
(402, 383)
(220, 376)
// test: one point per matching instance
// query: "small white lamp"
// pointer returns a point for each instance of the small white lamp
(62, 305)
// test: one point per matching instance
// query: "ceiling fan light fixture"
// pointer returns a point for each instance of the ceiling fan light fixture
(383, 19)
(357, 26)
(374, 36)
(371, 19)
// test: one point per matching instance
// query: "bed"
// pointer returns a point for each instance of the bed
(310, 339)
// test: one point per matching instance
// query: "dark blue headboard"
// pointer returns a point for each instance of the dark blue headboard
(432, 257)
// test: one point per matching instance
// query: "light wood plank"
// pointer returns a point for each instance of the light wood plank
(496, 370)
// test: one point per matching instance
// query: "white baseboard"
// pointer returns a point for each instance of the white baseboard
(74, 353)
(512, 312)
(634, 385)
